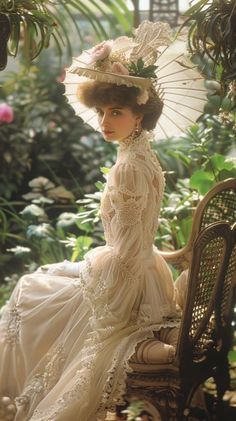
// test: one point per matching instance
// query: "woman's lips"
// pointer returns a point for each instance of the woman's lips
(107, 132)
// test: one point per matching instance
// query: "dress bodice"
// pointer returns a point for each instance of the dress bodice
(133, 192)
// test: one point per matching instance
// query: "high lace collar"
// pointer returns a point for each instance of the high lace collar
(142, 140)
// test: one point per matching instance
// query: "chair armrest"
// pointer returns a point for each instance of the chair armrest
(179, 258)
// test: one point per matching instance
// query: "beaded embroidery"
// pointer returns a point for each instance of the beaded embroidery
(13, 326)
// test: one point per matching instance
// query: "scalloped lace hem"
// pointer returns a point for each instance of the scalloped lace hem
(114, 385)
(113, 396)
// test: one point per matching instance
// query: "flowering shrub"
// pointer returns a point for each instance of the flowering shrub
(48, 229)
(6, 113)
(45, 136)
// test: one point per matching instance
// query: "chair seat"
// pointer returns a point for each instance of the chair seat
(158, 350)
(153, 352)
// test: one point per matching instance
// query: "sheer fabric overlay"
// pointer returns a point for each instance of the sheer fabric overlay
(65, 341)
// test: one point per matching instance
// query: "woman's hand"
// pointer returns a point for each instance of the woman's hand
(65, 268)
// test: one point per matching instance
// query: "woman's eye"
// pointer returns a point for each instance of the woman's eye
(116, 112)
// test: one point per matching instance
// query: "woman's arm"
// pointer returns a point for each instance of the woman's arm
(128, 190)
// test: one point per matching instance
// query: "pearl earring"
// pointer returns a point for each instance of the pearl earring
(137, 129)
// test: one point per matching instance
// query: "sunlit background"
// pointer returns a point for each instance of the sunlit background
(145, 5)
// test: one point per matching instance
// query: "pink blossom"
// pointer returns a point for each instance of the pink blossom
(52, 125)
(100, 51)
(6, 113)
(62, 76)
(119, 68)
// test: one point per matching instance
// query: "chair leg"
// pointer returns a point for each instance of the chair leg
(196, 414)
(222, 381)
(192, 405)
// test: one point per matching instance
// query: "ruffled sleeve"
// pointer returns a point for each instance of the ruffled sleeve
(115, 271)
(128, 190)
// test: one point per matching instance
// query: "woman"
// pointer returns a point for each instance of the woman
(69, 329)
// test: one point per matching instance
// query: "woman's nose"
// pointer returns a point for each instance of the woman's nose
(104, 118)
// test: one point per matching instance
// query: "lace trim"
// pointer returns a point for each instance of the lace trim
(141, 140)
(95, 288)
(13, 326)
(124, 215)
(106, 222)
(137, 153)
(115, 386)
(118, 79)
(44, 380)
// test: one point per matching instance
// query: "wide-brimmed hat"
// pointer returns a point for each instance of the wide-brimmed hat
(150, 62)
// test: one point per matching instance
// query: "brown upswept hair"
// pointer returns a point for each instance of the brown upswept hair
(97, 94)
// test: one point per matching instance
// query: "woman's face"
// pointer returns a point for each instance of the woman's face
(116, 122)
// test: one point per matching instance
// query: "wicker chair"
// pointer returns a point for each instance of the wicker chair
(219, 204)
(205, 332)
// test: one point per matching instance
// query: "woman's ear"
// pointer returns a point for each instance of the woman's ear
(139, 118)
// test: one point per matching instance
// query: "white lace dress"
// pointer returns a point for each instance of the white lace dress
(65, 341)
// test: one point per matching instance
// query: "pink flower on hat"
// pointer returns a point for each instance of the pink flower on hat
(62, 76)
(119, 68)
(6, 113)
(100, 51)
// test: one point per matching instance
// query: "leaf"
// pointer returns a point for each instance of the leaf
(196, 8)
(33, 210)
(120, 10)
(42, 21)
(67, 219)
(40, 231)
(227, 104)
(100, 185)
(19, 250)
(224, 174)
(104, 170)
(202, 181)
(219, 162)
(215, 100)
(140, 64)
(60, 193)
(181, 156)
(82, 245)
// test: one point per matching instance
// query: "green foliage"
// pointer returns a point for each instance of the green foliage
(134, 410)
(48, 158)
(6, 288)
(45, 231)
(37, 22)
(215, 168)
(196, 161)
(139, 69)
(45, 137)
(176, 216)
(213, 31)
